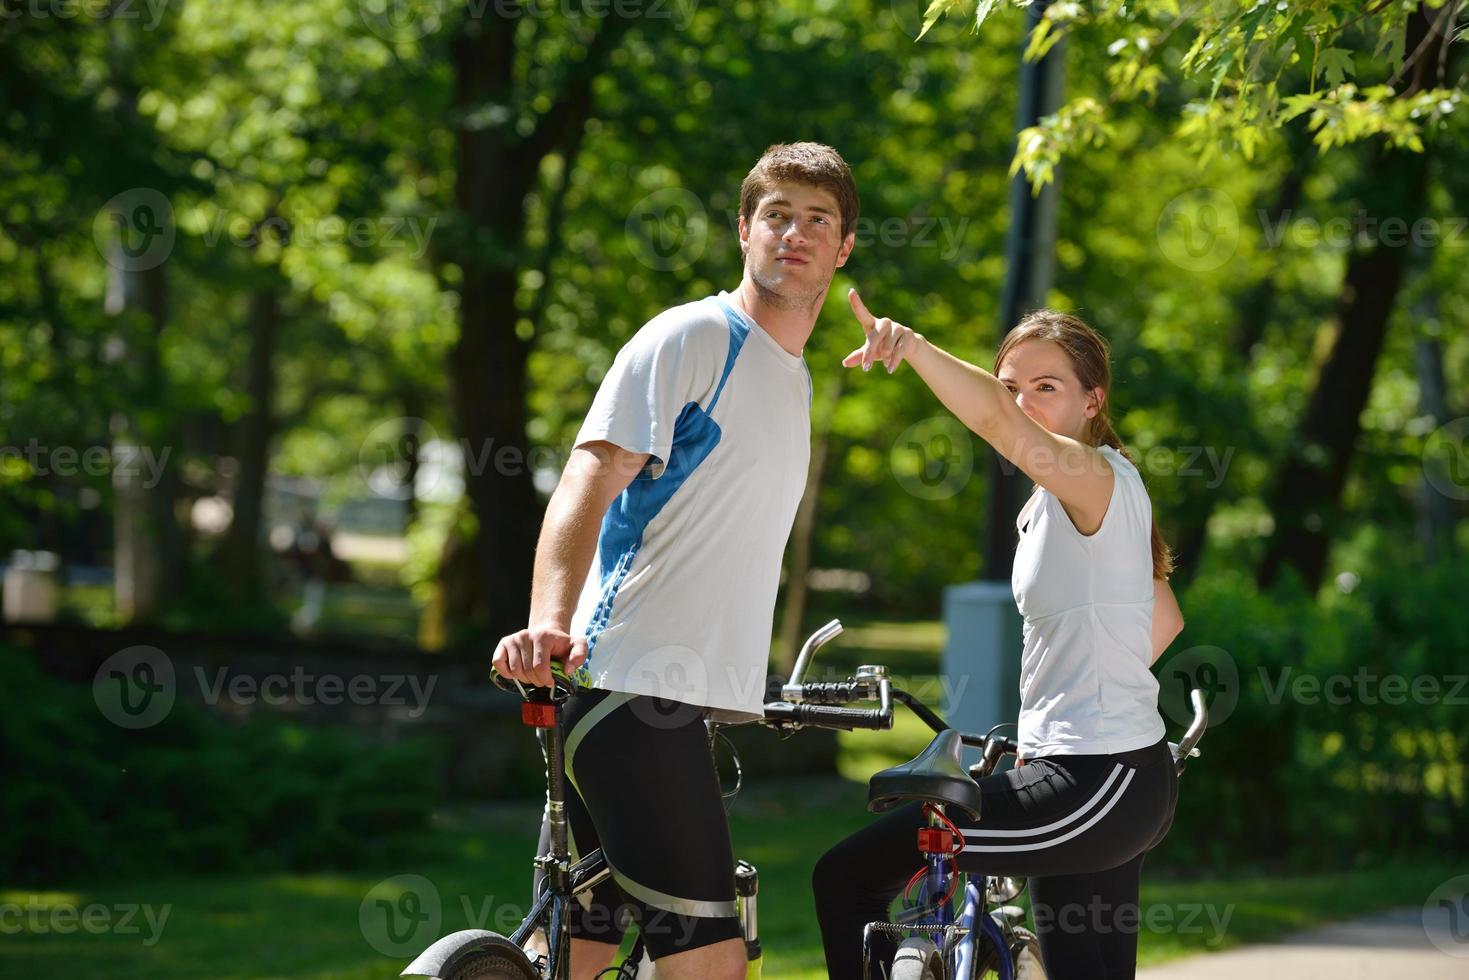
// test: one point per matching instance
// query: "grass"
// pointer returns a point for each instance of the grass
(329, 926)
(324, 926)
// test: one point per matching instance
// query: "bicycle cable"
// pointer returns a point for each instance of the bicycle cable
(734, 755)
(1003, 724)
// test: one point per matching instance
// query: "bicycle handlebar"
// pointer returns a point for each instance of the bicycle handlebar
(819, 703)
(825, 716)
(1186, 747)
(822, 703)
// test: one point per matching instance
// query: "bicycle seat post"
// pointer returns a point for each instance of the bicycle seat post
(542, 712)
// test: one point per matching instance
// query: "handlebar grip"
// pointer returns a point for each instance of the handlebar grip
(828, 717)
(829, 692)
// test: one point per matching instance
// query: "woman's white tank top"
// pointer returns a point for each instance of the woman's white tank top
(1087, 606)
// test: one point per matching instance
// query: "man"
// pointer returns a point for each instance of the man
(682, 485)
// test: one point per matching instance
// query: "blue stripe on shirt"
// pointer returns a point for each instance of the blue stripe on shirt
(695, 435)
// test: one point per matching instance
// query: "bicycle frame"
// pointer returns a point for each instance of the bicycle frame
(556, 863)
(961, 933)
(802, 705)
(563, 881)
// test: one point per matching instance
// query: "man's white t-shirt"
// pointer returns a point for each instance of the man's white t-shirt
(680, 600)
(1087, 604)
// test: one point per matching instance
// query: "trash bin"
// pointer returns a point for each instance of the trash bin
(32, 590)
(981, 657)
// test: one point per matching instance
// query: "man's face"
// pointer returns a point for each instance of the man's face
(793, 243)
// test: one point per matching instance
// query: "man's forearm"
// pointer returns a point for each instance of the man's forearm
(564, 554)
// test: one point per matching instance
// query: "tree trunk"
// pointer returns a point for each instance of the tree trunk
(496, 170)
(1305, 501)
(804, 530)
(149, 551)
(1307, 491)
(240, 554)
(413, 409)
(1437, 518)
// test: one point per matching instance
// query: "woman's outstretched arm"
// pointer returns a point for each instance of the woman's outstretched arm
(1075, 472)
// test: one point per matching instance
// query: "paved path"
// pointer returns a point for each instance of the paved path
(1392, 944)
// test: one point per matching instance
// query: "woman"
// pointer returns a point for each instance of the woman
(1095, 787)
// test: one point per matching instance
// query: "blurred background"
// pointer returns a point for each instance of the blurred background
(301, 305)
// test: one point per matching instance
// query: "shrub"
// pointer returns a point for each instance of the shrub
(82, 796)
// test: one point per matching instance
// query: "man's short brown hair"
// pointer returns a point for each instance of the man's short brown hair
(802, 163)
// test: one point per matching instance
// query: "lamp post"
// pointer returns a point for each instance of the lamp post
(982, 651)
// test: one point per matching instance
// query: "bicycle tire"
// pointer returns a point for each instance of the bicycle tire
(501, 962)
(1025, 955)
(917, 959)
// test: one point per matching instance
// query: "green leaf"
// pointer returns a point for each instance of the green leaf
(983, 11)
(937, 9)
(1335, 64)
(1295, 105)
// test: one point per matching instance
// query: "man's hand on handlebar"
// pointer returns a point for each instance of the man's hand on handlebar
(526, 656)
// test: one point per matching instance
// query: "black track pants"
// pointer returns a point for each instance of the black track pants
(1077, 826)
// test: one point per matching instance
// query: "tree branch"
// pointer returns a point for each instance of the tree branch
(573, 106)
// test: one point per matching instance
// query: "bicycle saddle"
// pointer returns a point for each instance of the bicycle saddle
(563, 687)
(936, 775)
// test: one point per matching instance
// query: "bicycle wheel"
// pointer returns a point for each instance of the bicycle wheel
(501, 961)
(1025, 955)
(917, 959)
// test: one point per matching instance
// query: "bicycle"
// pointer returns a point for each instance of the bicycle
(985, 936)
(477, 954)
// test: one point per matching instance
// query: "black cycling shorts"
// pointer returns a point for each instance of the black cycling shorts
(642, 786)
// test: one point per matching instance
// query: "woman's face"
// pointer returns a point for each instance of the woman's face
(1040, 376)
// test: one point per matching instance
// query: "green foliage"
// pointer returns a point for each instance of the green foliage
(83, 797)
(323, 117)
(209, 602)
(1349, 738)
(1229, 73)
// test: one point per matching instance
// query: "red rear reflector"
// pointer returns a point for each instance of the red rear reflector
(538, 715)
(935, 840)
